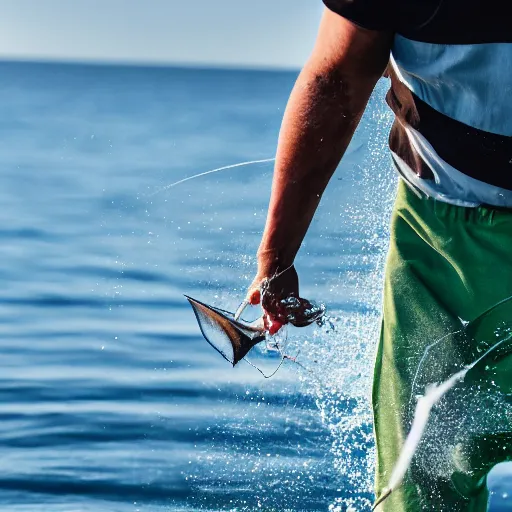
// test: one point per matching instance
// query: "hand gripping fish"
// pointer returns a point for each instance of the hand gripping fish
(233, 338)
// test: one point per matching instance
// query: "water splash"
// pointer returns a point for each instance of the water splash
(421, 417)
(348, 345)
(433, 395)
(329, 463)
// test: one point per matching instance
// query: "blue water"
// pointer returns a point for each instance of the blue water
(110, 398)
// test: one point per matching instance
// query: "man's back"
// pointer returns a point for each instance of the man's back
(451, 73)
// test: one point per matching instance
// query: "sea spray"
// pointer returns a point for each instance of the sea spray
(423, 408)
(434, 393)
(349, 234)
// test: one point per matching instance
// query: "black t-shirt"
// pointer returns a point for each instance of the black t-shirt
(432, 21)
(451, 76)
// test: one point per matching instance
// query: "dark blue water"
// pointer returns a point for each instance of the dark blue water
(110, 400)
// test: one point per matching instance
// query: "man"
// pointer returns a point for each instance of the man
(450, 64)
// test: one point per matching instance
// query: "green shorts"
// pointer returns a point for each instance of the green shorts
(447, 266)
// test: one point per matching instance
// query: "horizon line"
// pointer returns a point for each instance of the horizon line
(200, 66)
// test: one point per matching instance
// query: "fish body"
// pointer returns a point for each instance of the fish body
(233, 339)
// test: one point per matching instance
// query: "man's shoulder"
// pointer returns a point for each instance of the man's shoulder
(435, 21)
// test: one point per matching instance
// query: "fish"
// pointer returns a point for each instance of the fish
(232, 338)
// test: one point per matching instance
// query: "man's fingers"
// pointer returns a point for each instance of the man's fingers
(254, 296)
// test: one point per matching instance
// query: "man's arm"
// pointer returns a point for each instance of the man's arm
(323, 111)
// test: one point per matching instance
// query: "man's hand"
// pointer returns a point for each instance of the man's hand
(270, 290)
(279, 297)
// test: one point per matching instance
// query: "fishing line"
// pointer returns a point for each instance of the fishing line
(284, 357)
(425, 354)
(212, 171)
(464, 325)
(245, 303)
(261, 371)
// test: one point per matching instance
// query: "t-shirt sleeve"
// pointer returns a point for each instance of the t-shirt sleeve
(370, 14)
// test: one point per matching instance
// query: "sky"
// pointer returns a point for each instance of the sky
(246, 33)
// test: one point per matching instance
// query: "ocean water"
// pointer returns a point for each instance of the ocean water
(110, 398)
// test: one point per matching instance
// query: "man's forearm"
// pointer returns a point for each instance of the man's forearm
(323, 111)
(319, 121)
